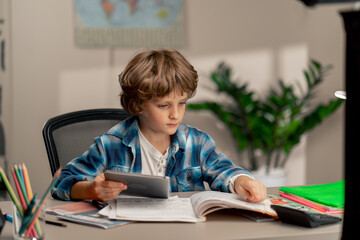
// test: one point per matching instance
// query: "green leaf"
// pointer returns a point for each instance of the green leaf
(307, 77)
(271, 124)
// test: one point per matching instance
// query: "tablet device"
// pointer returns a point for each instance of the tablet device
(141, 184)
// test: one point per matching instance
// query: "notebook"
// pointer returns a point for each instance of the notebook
(330, 194)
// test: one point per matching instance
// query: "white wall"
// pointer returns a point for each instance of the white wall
(262, 39)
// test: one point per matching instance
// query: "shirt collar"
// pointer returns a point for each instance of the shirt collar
(128, 131)
(179, 139)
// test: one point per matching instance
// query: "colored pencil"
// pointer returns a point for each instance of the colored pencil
(35, 232)
(40, 206)
(11, 191)
(21, 173)
(21, 184)
(30, 193)
(21, 197)
(30, 207)
(22, 200)
(30, 222)
(27, 181)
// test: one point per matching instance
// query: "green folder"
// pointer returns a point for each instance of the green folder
(330, 194)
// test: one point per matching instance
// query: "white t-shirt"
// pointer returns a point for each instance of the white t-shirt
(154, 162)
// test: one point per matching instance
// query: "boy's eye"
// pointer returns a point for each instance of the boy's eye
(183, 103)
(163, 106)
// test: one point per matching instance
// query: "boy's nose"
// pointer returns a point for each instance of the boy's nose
(174, 114)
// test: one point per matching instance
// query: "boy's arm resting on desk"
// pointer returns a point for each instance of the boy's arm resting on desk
(61, 191)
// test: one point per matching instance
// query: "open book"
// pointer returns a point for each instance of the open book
(174, 209)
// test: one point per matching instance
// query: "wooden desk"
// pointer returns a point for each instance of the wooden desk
(219, 225)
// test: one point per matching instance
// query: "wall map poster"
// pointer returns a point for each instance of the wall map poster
(121, 23)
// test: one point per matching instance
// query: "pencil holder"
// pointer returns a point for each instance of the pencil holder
(30, 226)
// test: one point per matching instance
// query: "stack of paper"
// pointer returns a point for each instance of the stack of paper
(173, 209)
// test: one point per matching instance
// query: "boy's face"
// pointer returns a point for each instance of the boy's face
(162, 116)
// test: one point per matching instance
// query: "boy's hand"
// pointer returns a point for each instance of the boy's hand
(105, 190)
(253, 190)
(97, 189)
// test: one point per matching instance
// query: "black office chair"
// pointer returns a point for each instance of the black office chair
(69, 135)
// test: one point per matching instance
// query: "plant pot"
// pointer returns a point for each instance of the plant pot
(274, 178)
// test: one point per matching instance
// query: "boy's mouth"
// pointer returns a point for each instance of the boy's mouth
(172, 124)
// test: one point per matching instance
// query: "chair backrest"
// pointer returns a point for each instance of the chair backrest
(69, 135)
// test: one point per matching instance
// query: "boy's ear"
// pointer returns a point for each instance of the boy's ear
(139, 110)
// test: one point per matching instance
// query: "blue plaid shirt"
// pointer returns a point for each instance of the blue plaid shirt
(192, 160)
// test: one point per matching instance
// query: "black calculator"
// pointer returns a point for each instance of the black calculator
(304, 218)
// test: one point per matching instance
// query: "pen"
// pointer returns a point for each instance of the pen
(55, 223)
(8, 217)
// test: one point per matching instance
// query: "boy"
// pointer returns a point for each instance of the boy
(155, 87)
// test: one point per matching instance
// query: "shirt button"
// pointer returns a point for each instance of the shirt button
(160, 170)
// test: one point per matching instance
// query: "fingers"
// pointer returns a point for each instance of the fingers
(257, 191)
(107, 196)
(112, 184)
(105, 190)
(100, 182)
(253, 190)
(109, 193)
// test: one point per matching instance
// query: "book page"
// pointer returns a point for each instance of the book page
(210, 201)
(155, 209)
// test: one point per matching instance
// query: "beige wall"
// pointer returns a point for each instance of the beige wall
(264, 39)
(5, 83)
(326, 40)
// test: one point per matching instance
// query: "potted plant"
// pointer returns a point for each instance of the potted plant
(274, 124)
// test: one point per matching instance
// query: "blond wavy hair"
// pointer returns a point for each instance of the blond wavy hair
(155, 74)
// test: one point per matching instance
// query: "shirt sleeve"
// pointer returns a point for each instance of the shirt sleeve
(84, 168)
(217, 168)
(232, 181)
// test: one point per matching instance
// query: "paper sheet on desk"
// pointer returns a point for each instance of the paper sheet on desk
(152, 209)
(107, 211)
(71, 208)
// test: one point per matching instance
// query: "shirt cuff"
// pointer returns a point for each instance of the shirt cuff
(232, 181)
